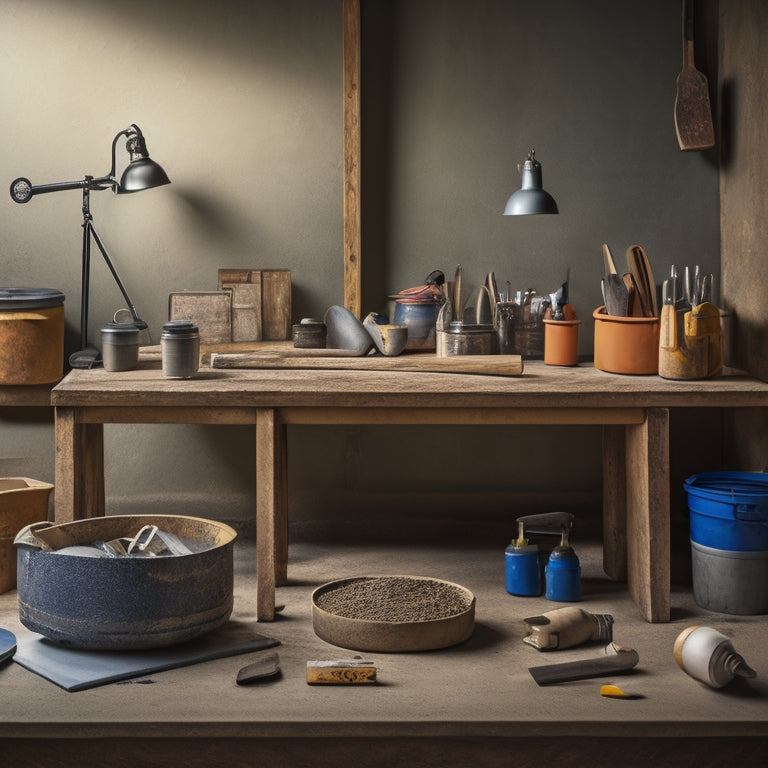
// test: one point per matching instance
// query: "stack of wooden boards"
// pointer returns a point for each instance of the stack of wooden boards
(249, 305)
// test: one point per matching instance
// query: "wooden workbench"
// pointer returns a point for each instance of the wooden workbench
(633, 410)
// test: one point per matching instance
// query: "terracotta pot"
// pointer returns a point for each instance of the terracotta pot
(626, 344)
(561, 342)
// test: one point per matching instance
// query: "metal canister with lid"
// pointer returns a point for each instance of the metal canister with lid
(180, 348)
(119, 346)
(465, 339)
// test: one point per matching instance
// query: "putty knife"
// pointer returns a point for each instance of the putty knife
(615, 660)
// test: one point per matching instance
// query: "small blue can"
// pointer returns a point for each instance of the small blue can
(523, 570)
(563, 575)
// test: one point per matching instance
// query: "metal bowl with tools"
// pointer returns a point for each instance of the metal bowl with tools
(393, 613)
(125, 582)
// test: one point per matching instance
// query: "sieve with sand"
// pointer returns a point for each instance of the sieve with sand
(393, 613)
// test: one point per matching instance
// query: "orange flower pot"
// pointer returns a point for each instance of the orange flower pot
(561, 342)
(626, 344)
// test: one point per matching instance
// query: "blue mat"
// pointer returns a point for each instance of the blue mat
(77, 670)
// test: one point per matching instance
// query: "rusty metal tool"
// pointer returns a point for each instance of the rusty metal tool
(265, 668)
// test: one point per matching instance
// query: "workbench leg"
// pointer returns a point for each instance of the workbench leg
(271, 515)
(281, 505)
(614, 502)
(79, 471)
(648, 525)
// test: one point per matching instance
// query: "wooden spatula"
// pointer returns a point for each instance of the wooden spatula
(615, 295)
(640, 267)
(693, 114)
(609, 266)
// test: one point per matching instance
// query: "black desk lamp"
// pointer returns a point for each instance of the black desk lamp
(141, 173)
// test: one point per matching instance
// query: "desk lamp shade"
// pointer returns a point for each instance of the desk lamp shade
(141, 172)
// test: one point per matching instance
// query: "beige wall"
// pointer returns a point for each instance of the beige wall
(242, 106)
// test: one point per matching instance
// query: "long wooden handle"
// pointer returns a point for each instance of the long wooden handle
(489, 365)
(688, 28)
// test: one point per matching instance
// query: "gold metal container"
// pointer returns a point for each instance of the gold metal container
(31, 336)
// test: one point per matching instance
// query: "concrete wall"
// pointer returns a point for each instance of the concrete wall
(242, 107)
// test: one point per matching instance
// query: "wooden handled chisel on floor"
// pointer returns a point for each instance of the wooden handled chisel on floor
(615, 659)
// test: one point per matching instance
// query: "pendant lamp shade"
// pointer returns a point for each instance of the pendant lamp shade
(531, 198)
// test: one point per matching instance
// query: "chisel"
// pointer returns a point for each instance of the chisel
(616, 659)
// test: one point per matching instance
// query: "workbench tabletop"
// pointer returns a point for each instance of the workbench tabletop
(540, 386)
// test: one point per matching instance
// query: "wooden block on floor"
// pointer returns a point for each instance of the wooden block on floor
(341, 672)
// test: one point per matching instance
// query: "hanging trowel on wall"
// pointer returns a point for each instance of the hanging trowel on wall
(693, 114)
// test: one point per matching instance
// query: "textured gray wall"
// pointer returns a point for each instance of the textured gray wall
(242, 106)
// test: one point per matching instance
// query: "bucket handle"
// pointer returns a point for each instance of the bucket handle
(751, 513)
(10, 316)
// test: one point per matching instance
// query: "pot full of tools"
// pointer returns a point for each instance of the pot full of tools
(125, 582)
(691, 337)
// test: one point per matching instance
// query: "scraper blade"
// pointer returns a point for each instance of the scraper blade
(615, 660)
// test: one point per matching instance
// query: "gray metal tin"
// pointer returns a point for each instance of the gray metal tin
(465, 339)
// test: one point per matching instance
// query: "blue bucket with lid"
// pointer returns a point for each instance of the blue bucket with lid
(729, 510)
(729, 540)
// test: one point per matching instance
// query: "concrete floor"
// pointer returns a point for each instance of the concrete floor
(473, 702)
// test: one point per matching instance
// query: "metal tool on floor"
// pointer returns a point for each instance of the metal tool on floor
(267, 667)
(614, 660)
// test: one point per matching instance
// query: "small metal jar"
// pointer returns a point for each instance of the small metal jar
(180, 348)
(119, 346)
(465, 339)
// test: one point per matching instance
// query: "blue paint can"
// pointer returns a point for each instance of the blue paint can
(563, 575)
(522, 566)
